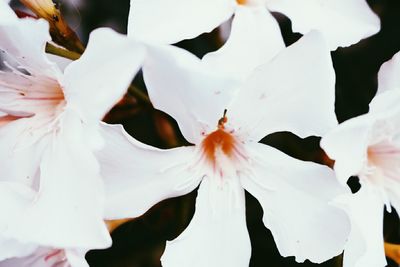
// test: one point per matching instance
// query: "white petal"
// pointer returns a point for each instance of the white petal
(68, 209)
(347, 145)
(389, 75)
(10, 248)
(6, 13)
(385, 104)
(95, 82)
(217, 235)
(20, 152)
(138, 176)
(294, 92)
(24, 40)
(255, 38)
(298, 209)
(76, 258)
(365, 245)
(343, 22)
(170, 21)
(193, 94)
(15, 197)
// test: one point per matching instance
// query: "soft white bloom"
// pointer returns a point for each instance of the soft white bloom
(255, 34)
(50, 182)
(294, 92)
(369, 146)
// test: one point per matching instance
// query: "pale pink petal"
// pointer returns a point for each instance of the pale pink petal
(170, 21)
(365, 245)
(296, 198)
(294, 92)
(255, 38)
(217, 235)
(343, 22)
(103, 73)
(46, 257)
(389, 75)
(138, 176)
(193, 94)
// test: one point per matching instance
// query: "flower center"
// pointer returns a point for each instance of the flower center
(218, 140)
(27, 95)
(222, 150)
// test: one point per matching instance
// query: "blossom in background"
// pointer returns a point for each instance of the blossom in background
(225, 118)
(255, 35)
(368, 146)
(52, 188)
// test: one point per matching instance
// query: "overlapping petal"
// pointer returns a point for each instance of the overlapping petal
(298, 208)
(46, 257)
(343, 22)
(217, 235)
(15, 197)
(255, 38)
(294, 92)
(365, 245)
(102, 74)
(180, 85)
(70, 190)
(354, 133)
(21, 152)
(138, 176)
(389, 75)
(25, 40)
(170, 21)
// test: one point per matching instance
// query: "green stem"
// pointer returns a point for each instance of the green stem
(136, 92)
(58, 51)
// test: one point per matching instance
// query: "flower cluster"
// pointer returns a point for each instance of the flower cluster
(65, 172)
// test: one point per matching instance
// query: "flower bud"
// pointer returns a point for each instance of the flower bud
(61, 33)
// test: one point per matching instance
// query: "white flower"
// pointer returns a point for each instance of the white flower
(50, 178)
(369, 146)
(294, 92)
(254, 30)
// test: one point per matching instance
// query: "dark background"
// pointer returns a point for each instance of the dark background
(140, 243)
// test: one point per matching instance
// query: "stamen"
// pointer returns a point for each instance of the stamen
(222, 121)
